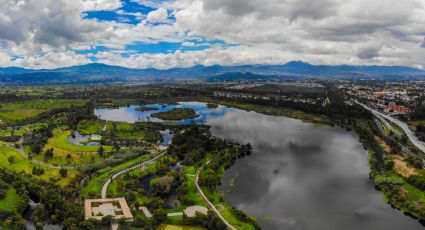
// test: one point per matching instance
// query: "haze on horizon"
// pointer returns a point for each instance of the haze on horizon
(182, 33)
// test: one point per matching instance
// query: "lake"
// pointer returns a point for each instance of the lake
(131, 115)
(299, 177)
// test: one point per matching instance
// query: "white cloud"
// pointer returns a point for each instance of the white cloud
(46, 61)
(96, 5)
(159, 15)
(382, 32)
(189, 44)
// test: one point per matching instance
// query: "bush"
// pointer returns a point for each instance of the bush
(63, 172)
(37, 171)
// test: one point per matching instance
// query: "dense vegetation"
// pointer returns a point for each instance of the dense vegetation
(176, 114)
(167, 186)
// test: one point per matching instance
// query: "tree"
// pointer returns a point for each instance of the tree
(116, 146)
(63, 172)
(49, 154)
(100, 151)
(159, 215)
(70, 224)
(37, 171)
(107, 220)
(11, 159)
(86, 225)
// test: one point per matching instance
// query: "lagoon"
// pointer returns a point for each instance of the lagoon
(300, 176)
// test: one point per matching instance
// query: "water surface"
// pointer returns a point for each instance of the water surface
(131, 115)
(302, 177)
(299, 177)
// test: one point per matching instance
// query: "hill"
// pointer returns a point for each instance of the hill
(102, 73)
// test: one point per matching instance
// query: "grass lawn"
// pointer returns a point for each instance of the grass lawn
(88, 127)
(178, 227)
(26, 109)
(124, 131)
(226, 212)
(23, 165)
(11, 201)
(80, 154)
(192, 192)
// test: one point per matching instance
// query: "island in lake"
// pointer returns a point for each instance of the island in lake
(177, 114)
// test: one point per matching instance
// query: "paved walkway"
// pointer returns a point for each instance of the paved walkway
(175, 214)
(211, 205)
(115, 175)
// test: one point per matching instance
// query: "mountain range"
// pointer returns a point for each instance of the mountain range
(102, 73)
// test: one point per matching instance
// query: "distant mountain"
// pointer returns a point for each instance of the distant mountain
(236, 76)
(102, 73)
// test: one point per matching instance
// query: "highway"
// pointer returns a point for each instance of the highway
(420, 145)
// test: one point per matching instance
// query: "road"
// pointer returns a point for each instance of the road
(420, 145)
(211, 205)
(37, 162)
(115, 175)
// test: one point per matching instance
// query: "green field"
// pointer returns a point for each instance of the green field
(26, 109)
(79, 154)
(123, 130)
(192, 192)
(178, 227)
(12, 200)
(21, 164)
(87, 127)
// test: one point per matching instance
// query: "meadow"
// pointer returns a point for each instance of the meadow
(66, 153)
(26, 109)
(21, 164)
(11, 202)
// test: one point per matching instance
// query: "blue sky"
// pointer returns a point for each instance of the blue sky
(182, 33)
(133, 13)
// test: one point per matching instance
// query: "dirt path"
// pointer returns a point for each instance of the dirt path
(211, 205)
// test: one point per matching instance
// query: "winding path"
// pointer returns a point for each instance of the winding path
(210, 205)
(399, 123)
(115, 175)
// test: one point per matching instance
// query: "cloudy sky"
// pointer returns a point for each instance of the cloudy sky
(182, 33)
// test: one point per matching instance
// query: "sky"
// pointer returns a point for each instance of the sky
(166, 34)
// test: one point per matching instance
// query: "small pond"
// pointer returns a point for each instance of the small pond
(87, 140)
